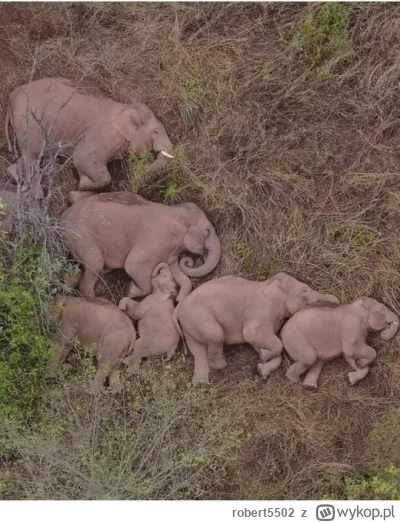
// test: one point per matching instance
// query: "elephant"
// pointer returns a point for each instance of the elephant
(322, 333)
(157, 332)
(59, 114)
(123, 230)
(101, 329)
(236, 310)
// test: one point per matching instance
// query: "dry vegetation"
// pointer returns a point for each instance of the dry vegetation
(286, 121)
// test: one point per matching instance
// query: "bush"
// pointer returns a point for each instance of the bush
(161, 439)
(24, 349)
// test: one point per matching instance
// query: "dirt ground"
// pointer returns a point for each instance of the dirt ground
(286, 122)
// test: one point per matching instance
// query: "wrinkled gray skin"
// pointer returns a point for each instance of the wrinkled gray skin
(233, 310)
(101, 329)
(123, 230)
(55, 114)
(319, 334)
(157, 333)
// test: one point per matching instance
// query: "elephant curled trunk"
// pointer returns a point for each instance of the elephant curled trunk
(388, 333)
(213, 249)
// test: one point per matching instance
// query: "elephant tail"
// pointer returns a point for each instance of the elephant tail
(178, 328)
(6, 129)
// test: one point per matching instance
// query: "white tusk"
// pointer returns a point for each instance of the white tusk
(395, 322)
(166, 154)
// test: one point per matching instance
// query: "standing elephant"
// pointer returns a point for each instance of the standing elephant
(92, 130)
(123, 230)
(234, 310)
(320, 334)
(101, 329)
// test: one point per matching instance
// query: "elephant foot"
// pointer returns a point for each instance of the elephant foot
(292, 376)
(116, 388)
(355, 377)
(198, 380)
(310, 386)
(362, 363)
(94, 389)
(133, 368)
(217, 364)
(263, 371)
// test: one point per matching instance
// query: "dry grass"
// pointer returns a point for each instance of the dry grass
(288, 136)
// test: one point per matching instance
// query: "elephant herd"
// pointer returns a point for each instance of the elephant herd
(158, 245)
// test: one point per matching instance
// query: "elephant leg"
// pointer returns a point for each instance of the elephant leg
(364, 355)
(296, 370)
(184, 282)
(92, 271)
(144, 348)
(62, 351)
(115, 382)
(266, 343)
(201, 368)
(139, 270)
(358, 374)
(311, 380)
(171, 353)
(93, 175)
(264, 369)
(104, 370)
(215, 346)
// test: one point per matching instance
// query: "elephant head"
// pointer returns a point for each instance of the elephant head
(300, 295)
(378, 317)
(163, 283)
(200, 239)
(139, 126)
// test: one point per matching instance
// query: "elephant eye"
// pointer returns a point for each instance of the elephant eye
(156, 132)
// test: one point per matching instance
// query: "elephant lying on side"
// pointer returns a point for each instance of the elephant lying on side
(320, 334)
(123, 230)
(157, 332)
(101, 329)
(93, 130)
(234, 310)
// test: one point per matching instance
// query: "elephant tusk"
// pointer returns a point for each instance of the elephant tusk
(395, 322)
(165, 154)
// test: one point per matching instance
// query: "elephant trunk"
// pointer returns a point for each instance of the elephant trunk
(389, 332)
(213, 248)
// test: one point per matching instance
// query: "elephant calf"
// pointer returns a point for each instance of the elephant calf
(92, 130)
(320, 334)
(157, 332)
(234, 310)
(101, 329)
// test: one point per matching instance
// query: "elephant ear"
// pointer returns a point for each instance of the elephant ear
(295, 303)
(161, 294)
(377, 319)
(127, 125)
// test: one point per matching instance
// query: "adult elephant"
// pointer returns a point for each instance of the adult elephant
(123, 230)
(54, 114)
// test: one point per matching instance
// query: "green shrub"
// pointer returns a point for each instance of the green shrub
(322, 40)
(25, 330)
(383, 486)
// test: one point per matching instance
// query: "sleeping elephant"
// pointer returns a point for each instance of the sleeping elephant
(101, 328)
(234, 310)
(123, 230)
(322, 333)
(56, 114)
